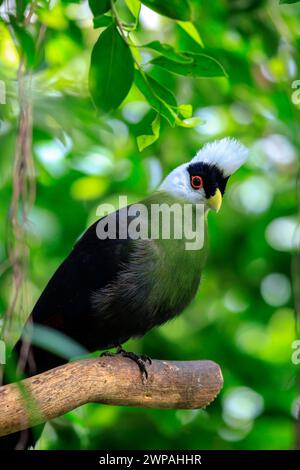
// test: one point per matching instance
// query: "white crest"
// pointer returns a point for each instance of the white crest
(227, 154)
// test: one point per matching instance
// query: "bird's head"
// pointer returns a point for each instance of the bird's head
(204, 178)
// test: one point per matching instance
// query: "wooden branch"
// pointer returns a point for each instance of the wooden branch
(107, 380)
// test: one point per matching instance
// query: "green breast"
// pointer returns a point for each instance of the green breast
(176, 270)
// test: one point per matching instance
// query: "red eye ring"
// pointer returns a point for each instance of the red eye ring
(196, 182)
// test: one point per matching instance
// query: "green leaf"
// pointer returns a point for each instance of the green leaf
(164, 102)
(191, 30)
(162, 92)
(176, 9)
(111, 71)
(134, 6)
(102, 21)
(233, 60)
(288, 1)
(189, 122)
(168, 51)
(54, 341)
(144, 141)
(202, 65)
(99, 7)
(186, 110)
(156, 95)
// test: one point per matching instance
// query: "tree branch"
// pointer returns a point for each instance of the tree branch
(107, 380)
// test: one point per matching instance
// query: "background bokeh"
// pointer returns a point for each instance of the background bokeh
(243, 315)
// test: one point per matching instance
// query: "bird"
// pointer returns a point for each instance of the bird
(109, 290)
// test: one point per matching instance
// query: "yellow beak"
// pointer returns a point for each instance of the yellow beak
(214, 202)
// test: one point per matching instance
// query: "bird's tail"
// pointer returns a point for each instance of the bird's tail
(31, 361)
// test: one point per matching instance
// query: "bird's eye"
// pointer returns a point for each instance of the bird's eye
(196, 182)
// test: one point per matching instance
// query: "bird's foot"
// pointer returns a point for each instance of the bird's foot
(140, 360)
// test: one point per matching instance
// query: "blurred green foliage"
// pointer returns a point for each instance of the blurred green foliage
(243, 315)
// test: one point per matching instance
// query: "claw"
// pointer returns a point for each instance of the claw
(107, 353)
(139, 360)
(146, 358)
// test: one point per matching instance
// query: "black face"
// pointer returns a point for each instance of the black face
(207, 176)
